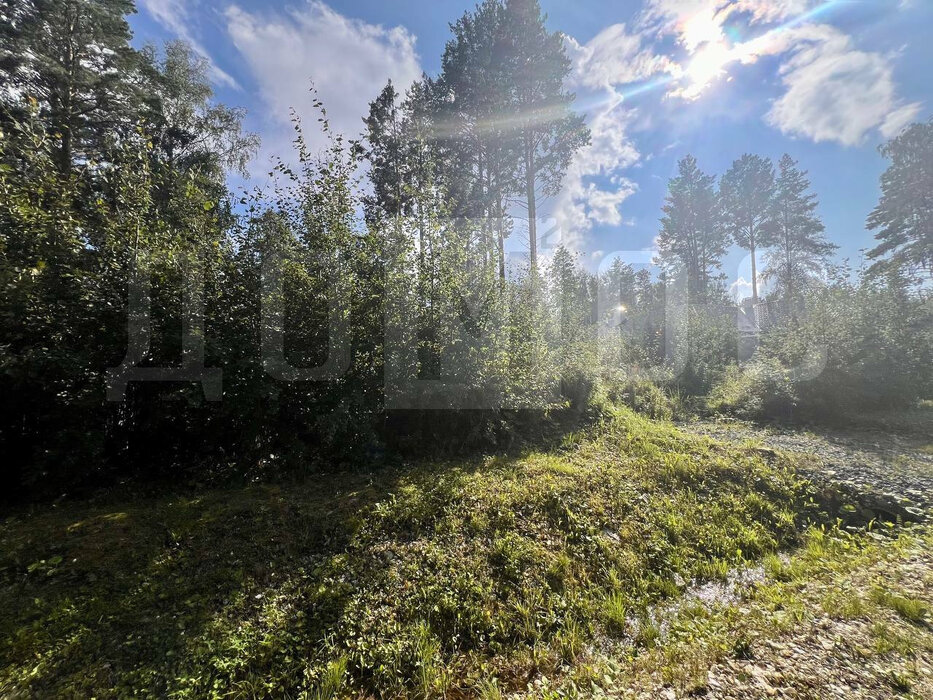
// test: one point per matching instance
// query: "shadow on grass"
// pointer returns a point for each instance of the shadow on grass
(136, 589)
(417, 575)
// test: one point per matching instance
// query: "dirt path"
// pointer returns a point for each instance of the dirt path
(897, 465)
(859, 631)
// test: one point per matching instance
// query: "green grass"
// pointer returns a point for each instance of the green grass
(834, 572)
(436, 578)
(910, 609)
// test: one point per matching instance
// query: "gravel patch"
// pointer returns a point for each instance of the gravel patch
(897, 467)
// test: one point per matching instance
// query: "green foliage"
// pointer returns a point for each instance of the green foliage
(410, 307)
(795, 234)
(77, 65)
(646, 397)
(692, 240)
(761, 389)
(746, 192)
(860, 346)
(903, 216)
(911, 609)
(615, 610)
(406, 582)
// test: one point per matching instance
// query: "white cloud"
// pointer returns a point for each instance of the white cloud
(895, 122)
(774, 10)
(696, 22)
(614, 57)
(175, 16)
(603, 205)
(741, 289)
(835, 92)
(585, 199)
(348, 60)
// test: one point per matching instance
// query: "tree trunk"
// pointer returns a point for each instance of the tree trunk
(751, 245)
(532, 204)
(501, 241)
(64, 153)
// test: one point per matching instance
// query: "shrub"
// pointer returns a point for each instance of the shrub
(762, 389)
(643, 396)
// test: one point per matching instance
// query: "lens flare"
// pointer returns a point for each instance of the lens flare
(712, 49)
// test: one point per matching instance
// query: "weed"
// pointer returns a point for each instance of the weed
(333, 680)
(910, 609)
(615, 609)
(648, 633)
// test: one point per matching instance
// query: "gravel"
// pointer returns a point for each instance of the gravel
(896, 466)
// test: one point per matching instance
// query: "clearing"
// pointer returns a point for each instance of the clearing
(635, 560)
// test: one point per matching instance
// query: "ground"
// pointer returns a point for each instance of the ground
(895, 460)
(633, 560)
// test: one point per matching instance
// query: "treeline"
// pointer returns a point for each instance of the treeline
(825, 340)
(113, 180)
(352, 321)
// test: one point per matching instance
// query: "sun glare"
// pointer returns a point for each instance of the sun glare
(708, 64)
(704, 27)
(712, 46)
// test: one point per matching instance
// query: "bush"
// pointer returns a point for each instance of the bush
(874, 342)
(762, 389)
(648, 398)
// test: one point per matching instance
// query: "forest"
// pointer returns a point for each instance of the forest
(328, 434)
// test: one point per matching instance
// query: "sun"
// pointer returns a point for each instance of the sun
(708, 64)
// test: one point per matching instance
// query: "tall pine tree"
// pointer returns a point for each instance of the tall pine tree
(550, 133)
(795, 233)
(904, 216)
(745, 194)
(692, 237)
(80, 69)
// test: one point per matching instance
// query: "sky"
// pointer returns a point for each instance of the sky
(826, 81)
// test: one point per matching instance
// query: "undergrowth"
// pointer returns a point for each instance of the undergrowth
(468, 577)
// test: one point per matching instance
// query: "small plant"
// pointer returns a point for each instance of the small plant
(488, 689)
(333, 680)
(900, 681)
(649, 634)
(910, 609)
(714, 569)
(761, 389)
(427, 649)
(742, 647)
(615, 610)
(888, 640)
(570, 639)
(844, 605)
(558, 572)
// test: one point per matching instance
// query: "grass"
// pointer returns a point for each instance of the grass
(465, 578)
(833, 573)
(910, 609)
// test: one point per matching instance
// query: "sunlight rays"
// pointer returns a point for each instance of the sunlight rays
(716, 52)
(712, 48)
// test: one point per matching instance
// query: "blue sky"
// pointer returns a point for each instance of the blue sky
(827, 82)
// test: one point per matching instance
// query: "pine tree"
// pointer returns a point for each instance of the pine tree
(795, 233)
(550, 133)
(385, 154)
(904, 215)
(473, 115)
(692, 237)
(80, 68)
(745, 193)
